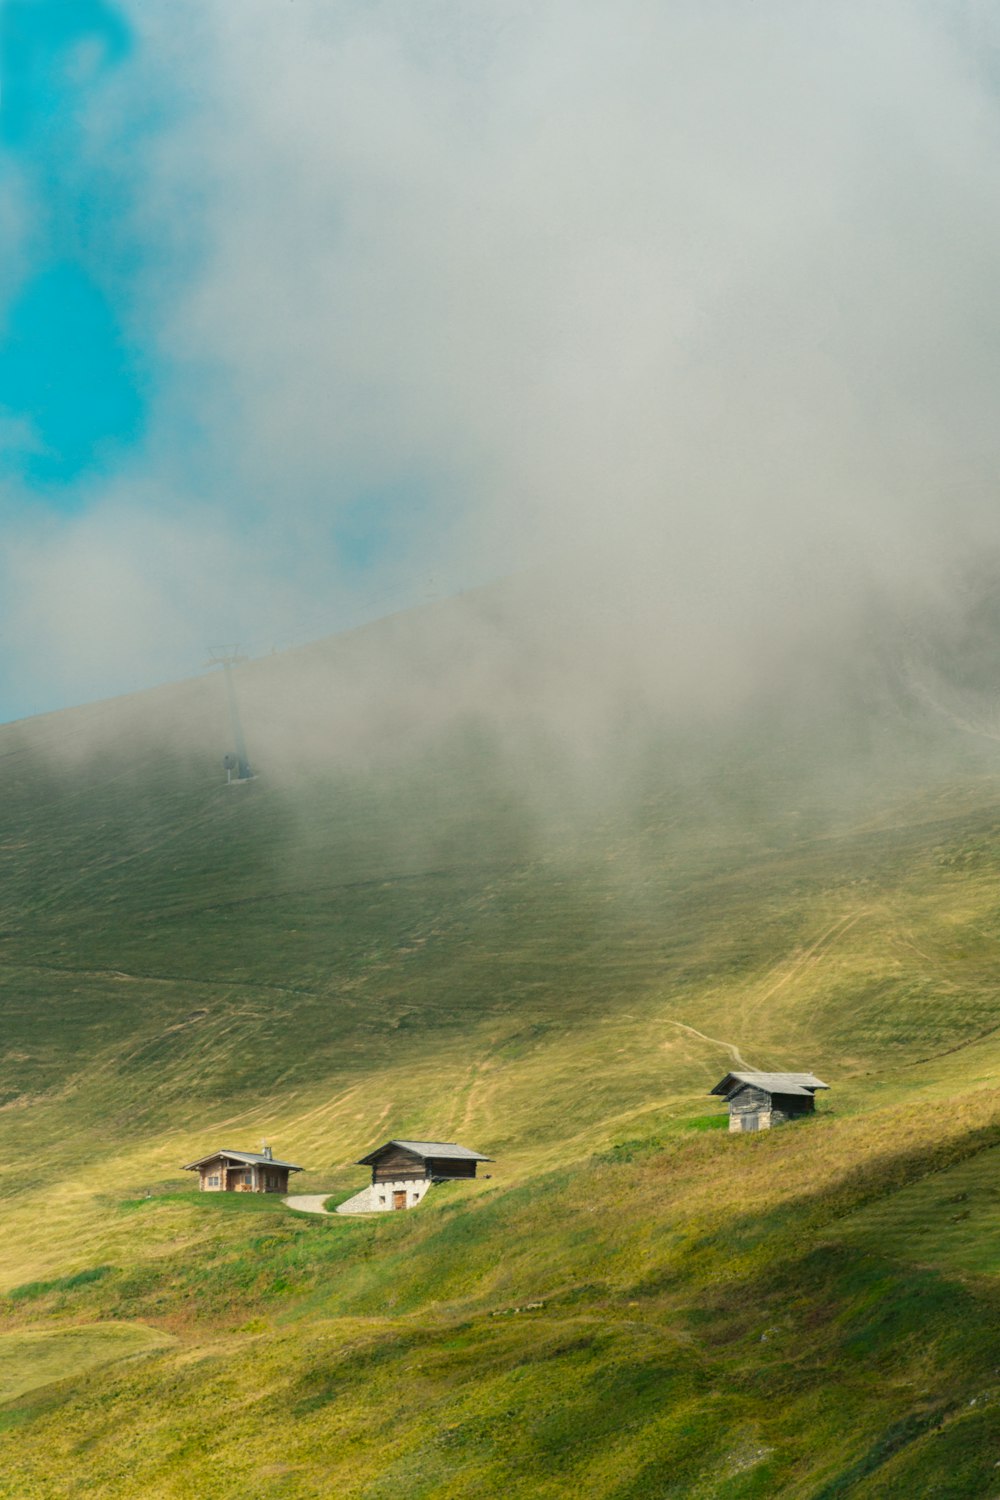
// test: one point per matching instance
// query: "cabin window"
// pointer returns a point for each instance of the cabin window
(247, 1178)
(213, 1181)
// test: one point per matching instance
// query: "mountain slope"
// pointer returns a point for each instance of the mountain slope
(454, 930)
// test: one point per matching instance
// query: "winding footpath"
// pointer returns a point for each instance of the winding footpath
(734, 1052)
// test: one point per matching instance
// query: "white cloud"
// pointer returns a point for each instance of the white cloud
(704, 290)
(588, 260)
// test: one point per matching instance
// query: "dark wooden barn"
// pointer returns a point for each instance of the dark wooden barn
(759, 1100)
(402, 1171)
(242, 1172)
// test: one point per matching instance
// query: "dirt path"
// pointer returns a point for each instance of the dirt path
(787, 972)
(808, 956)
(734, 1052)
(327, 1110)
(308, 1203)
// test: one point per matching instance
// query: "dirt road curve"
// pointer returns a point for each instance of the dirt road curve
(308, 1203)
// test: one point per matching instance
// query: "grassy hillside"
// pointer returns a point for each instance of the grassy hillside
(427, 928)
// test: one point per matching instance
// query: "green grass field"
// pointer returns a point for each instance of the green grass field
(457, 940)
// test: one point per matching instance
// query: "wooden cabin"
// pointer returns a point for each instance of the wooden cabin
(242, 1172)
(759, 1100)
(402, 1171)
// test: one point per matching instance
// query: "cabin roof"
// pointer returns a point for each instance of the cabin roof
(771, 1083)
(245, 1158)
(436, 1150)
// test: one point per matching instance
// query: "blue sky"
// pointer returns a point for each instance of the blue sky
(72, 381)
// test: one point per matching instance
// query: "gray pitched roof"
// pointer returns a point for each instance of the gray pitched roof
(772, 1083)
(246, 1158)
(438, 1150)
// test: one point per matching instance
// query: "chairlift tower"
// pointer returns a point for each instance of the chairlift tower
(240, 761)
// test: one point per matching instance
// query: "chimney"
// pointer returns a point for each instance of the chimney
(267, 1152)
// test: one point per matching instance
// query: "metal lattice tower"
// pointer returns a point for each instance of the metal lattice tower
(227, 659)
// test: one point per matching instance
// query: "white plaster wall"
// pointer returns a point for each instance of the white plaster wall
(377, 1198)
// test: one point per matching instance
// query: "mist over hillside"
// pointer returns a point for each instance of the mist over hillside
(577, 702)
(515, 884)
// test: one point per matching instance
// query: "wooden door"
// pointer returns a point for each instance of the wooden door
(399, 1199)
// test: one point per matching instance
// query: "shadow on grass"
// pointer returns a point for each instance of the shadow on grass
(32, 1289)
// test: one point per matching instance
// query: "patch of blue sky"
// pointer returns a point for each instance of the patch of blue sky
(73, 384)
(66, 373)
(51, 52)
(382, 524)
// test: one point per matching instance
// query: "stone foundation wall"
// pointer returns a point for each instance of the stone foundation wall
(377, 1199)
(764, 1117)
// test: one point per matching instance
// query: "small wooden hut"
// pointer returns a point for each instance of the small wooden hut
(402, 1171)
(759, 1100)
(242, 1172)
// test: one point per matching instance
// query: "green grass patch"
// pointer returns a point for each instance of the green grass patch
(706, 1122)
(33, 1289)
